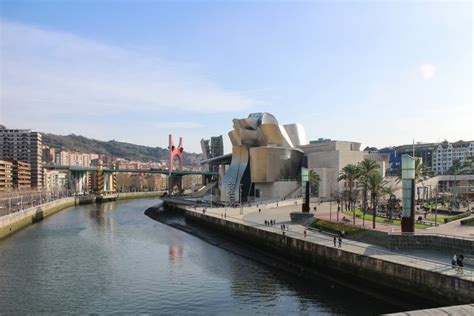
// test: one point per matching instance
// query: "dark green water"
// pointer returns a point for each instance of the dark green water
(111, 258)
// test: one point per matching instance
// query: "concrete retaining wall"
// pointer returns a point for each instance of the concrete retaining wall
(420, 283)
(12, 223)
(138, 195)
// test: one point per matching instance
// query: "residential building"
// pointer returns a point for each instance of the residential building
(21, 175)
(56, 180)
(6, 183)
(446, 153)
(49, 155)
(23, 145)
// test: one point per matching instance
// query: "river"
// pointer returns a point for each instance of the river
(111, 258)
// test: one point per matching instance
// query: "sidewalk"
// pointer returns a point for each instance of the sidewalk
(251, 216)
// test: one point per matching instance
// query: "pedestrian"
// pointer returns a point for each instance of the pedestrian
(260, 210)
(305, 233)
(265, 222)
(340, 242)
(454, 261)
(334, 241)
(460, 263)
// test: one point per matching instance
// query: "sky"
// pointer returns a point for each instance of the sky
(377, 72)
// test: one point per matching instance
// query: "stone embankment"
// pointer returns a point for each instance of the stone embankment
(11, 223)
(358, 262)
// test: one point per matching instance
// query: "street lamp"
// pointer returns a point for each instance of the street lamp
(240, 199)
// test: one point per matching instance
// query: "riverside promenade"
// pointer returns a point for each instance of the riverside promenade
(424, 275)
(251, 216)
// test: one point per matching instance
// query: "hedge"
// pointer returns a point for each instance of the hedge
(456, 217)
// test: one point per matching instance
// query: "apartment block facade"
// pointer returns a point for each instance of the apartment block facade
(25, 146)
(6, 181)
(21, 175)
(447, 153)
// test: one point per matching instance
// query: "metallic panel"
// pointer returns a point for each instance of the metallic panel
(296, 133)
(273, 135)
(269, 164)
(233, 177)
(248, 137)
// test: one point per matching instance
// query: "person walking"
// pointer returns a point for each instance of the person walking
(266, 224)
(334, 241)
(460, 264)
(260, 210)
(340, 242)
(305, 233)
(454, 261)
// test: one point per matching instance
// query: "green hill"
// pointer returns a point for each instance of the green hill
(113, 148)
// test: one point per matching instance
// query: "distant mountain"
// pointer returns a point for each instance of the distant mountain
(113, 148)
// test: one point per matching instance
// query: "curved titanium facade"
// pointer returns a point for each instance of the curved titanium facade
(262, 152)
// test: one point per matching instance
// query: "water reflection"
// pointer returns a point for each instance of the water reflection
(175, 254)
(110, 258)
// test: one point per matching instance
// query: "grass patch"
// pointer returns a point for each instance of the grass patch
(440, 218)
(378, 219)
(335, 228)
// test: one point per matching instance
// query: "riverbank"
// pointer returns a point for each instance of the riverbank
(360, 262)
(14, 222)
(285, 264)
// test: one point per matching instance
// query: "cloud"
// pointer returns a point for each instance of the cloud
(427, 71)
(63, 73)
(180, 125)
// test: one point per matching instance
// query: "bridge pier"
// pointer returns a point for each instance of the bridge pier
(78, 182)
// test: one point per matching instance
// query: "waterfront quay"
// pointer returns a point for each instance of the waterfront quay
(428, 276)
(16, 219)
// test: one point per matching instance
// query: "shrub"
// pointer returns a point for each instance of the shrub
(335, 228)
(468, 221)
(453, 218)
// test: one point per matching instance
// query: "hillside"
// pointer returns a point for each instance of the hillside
(113, 148)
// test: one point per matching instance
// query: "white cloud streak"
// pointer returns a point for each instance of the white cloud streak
(62, 73)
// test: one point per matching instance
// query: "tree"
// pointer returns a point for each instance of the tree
(349, 174)
(376, 185)
(367, 167)
(390, 191)
(314, 179)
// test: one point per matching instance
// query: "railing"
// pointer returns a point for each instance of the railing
(432, 234)
(364, 249)
(18, 201)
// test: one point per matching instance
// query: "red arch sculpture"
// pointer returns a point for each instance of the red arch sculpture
(176, 152)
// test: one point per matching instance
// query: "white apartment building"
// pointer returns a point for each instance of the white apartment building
(446, 153)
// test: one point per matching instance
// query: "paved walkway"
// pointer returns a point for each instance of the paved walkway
(252, 217)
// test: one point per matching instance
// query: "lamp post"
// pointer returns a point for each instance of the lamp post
(240, 199)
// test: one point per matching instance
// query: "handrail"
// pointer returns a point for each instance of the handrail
(372, 248)
(431, 234)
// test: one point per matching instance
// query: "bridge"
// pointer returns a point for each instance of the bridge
(101, 180)
(73, 169)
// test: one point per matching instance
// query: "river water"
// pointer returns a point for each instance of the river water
(111, 258)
